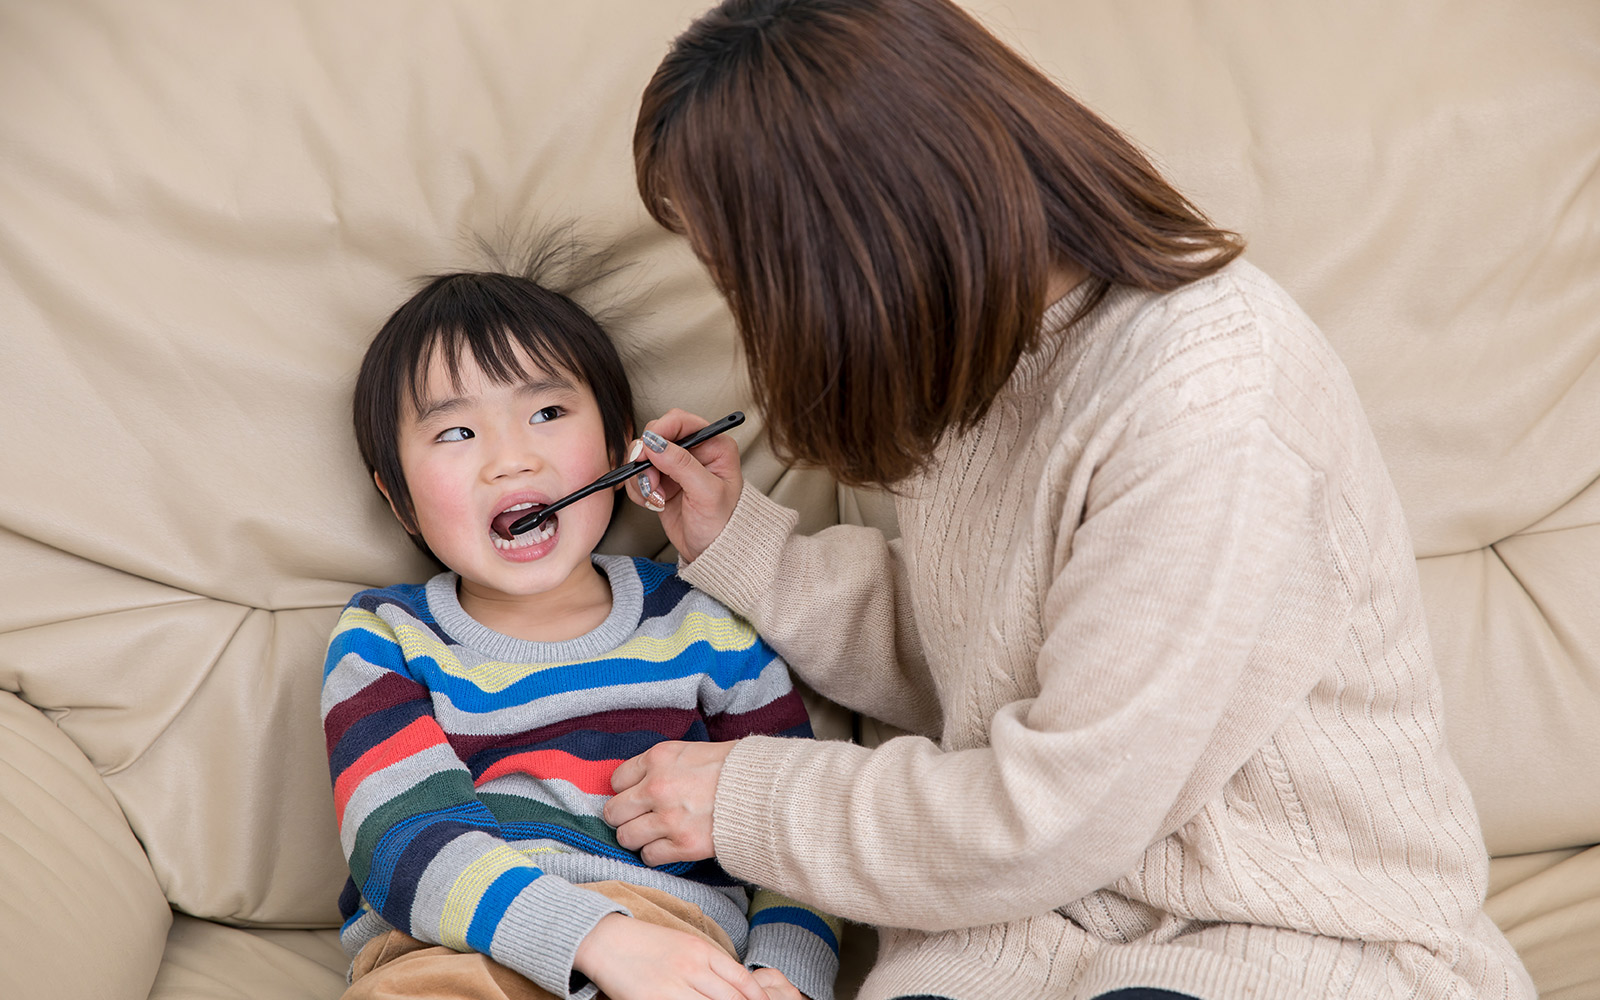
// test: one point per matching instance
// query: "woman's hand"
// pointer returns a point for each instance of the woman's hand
(632, 960)
(664, 801)
(693, 491)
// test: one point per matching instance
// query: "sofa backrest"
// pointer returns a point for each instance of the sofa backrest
(206, 212)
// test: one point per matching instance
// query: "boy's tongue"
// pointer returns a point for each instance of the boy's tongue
(501, 525)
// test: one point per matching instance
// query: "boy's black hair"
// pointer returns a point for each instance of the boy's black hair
(490, 315)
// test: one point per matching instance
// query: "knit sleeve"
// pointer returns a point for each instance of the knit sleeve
(425, 853)
(1156, 683)
(800, 941)
(834, 604)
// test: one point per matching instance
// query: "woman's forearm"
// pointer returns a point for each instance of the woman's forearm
(834, 604)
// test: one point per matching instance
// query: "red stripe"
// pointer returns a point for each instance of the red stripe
(592, 776)
(420, 735)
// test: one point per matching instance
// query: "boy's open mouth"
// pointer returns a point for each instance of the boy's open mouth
(500, 526)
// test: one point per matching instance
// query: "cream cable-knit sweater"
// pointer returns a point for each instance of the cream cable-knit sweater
(1160, 613)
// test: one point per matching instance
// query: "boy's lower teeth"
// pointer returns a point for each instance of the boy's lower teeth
(527, 538)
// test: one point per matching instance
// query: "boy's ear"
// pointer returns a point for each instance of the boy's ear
(377, 481)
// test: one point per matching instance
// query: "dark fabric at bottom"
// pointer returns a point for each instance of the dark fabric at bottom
(1132, 993)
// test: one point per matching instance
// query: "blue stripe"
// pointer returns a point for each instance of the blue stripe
(435, 830)
(372, 648)
(651, 575)
(700, 658)
(799, 918)
(493, 903)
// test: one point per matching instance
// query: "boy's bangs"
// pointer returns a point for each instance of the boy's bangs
(492, 343)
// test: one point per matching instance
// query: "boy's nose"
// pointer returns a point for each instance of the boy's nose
(511, 457)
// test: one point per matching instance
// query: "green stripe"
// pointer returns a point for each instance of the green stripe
(440, 790)
(517, 809)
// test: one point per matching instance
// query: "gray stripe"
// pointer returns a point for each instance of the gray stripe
(752, 692)
(800, 955)
(541, 930)
(389, 783)
(548, 791)
(442, 871)
(627, 604)
(352, 673)
(724, 904)
(675, 692)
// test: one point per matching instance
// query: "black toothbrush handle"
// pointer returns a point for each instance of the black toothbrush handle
(530, 521)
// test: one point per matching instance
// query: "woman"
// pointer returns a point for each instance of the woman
(1153, 613)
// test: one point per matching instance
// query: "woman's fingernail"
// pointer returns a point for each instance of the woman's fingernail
(655, 442)
(633, 453)
(644, 486)
(654, 503)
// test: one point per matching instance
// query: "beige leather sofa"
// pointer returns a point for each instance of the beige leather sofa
(207, 209)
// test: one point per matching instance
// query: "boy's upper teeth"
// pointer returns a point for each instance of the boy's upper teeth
(519, 506)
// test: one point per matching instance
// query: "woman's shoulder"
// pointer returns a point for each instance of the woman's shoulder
(1225, 349)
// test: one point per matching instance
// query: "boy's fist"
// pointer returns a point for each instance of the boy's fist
(632, 960)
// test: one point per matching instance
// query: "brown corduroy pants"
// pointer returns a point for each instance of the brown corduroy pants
(395, 964)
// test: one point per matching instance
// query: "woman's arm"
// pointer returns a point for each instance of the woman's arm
(834, 604)
(1157, 683)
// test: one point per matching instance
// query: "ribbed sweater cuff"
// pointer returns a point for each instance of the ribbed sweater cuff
(541, 930)
(737, 567)
(805, 959)
(743, 817)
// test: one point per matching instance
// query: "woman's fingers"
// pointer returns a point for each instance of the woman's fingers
(665, 800)
(696, 491)
(691, 471)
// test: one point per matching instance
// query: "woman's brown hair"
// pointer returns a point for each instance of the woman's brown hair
(882, 190)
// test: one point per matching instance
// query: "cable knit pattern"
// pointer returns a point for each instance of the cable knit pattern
(1159, 610)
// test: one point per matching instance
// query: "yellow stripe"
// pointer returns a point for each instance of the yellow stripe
(468, 889)
(766, 899)
(723, 634)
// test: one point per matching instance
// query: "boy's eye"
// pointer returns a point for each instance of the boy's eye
(548, 413)
(455, 434)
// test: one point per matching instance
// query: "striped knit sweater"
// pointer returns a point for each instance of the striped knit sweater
(470, 770)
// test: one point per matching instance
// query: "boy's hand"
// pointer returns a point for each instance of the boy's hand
(632, 960)
(777, 985)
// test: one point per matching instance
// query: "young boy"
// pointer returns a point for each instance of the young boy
(473, 722)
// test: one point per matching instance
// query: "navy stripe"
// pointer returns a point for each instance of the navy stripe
(371, 730)
(404, 851)
(349, 900)
(584, 745)
(664, 599)
(798, 917)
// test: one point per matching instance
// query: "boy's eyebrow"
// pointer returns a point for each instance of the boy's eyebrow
(544, 382)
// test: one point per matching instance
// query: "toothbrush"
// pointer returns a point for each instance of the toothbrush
(535, 518)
